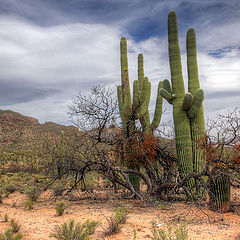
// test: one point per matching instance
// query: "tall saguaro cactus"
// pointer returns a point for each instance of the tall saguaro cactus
(187, 108)
(130, 111)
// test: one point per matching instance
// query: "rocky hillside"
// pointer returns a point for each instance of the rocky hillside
(25, 133)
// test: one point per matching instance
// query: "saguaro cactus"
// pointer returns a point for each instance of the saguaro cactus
(130, 111)
(187, 108)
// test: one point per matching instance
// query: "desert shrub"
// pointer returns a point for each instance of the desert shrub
(173, 232)
(113, 226)
(72, 231)
(14, 203)
(10, 187)
(134, 234)
(90, 182)
(60, 208)
(15, 227)
(121, 213)
(28, 205)
(58, 188)
(115, 221)
(9, 235)
(5, 217)
(32, 193)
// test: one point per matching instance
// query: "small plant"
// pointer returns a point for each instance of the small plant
(72, 231)
(5, 217)
(14, 203)
(114, 222)
(32, 193)
(113, 226)
(58, 188)
(173, 232)
(60, 208)
(10, 187)
(121, 214)
(134, 234)
(28, 205)
(9, 235)
(15, 227)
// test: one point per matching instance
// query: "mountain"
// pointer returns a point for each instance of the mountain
(26, 133)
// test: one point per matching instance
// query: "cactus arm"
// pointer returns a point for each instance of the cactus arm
(197, 123)
(145, 98)
(167, 86)
(140, 71)
(158, 108)
(175, 57)
(144, 90)
(192, 67)
(136, 94)
(124, 76)
(166, 95)
(187, 101)
(196, 104)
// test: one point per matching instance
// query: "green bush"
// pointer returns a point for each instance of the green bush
(113, 226)
(32, 193)
(60, 208)
(90, 182)
(28, 205)
(9, 235)
(58, 188)
(173, 232)
(10, 187)
(70, 231)
(114, 222)
(15, 227)
(121, 214)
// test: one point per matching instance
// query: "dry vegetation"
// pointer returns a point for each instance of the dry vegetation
(69, 175)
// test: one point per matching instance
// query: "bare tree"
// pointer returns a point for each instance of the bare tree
(94, 112)
(100, 148)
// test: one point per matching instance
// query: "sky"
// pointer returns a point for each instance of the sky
(51, 50)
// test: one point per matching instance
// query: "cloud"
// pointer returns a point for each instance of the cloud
(51, 50)
(38, 62)
(20, 92)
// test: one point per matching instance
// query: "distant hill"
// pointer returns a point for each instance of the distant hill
(26, 133)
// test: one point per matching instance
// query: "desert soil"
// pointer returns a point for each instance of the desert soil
(38, 223)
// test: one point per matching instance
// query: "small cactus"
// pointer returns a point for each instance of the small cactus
(219, 190)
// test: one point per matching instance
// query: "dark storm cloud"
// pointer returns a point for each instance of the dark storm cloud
(141, 18)
(17, 92)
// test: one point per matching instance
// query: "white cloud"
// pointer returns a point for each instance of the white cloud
(71, 58)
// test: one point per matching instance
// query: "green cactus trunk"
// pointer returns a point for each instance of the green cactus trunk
(219, 190)
(197, 123)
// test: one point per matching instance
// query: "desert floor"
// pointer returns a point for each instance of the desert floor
(38, 223)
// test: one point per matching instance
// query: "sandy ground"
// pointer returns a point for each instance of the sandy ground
(37, 224)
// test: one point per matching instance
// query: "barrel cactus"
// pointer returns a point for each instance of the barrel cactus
(219, 190)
